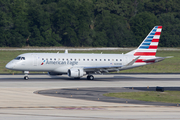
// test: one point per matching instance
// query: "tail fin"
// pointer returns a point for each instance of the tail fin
(149, 45)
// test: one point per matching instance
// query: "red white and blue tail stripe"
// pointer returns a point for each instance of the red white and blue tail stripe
(149, 45)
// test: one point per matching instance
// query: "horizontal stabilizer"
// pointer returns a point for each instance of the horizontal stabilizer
(157, 59)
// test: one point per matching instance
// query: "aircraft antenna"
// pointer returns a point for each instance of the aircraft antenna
(66, 51)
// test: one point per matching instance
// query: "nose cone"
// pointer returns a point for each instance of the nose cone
(9, 65)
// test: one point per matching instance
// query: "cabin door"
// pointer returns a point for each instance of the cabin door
(35, 60)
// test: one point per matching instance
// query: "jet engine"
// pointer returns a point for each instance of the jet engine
(76, 72)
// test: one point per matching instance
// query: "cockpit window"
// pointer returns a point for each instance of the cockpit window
(19, 58)
(23, 58)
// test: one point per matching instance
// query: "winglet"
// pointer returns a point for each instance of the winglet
(132, 62)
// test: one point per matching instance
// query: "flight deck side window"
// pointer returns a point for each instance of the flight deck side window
(17, 58)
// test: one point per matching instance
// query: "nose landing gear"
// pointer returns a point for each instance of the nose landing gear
(26, 75)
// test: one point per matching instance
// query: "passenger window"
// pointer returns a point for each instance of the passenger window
(108, 59)
(63, 59)
(104, 59)
(120, 59)
(50, 58)
(112, 59)
(55, 59)
(74, 59)
(46, 58)
(42, 58)
(91, 59)
(66, 59)
(99, 59)
(83, 59)
(79, 59)
(95, 59)
(116, 59)
(71, 59)
(59, 59)
(87, 59)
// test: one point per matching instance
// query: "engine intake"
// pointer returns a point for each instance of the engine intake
(75, 72)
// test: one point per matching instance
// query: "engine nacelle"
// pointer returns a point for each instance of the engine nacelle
(76, 72)
(54, 73)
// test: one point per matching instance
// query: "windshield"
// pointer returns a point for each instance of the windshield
(19, 58)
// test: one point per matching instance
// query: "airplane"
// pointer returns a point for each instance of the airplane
(79, 65)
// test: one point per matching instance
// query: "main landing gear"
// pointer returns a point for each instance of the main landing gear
(90, 77)
(26, 75)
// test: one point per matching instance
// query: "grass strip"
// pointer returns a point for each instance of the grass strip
(151, 96)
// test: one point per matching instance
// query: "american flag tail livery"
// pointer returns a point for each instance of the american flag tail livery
(149, 45)
(146, 52)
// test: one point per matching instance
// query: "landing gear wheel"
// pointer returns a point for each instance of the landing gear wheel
(26, 77)
(90, 77)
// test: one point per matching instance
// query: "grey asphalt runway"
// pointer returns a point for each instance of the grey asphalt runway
(96, 94)
(18, 100)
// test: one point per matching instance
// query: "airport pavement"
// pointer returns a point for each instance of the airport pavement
(18, 101)
(96, 94)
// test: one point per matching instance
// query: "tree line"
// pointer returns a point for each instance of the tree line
(93, 23)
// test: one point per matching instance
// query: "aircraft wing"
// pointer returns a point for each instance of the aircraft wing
(109, 68)
(102, 68)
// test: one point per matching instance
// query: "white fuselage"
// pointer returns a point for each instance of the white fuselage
(61, 62)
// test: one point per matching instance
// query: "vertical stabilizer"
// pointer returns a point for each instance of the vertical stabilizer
(149, 45)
